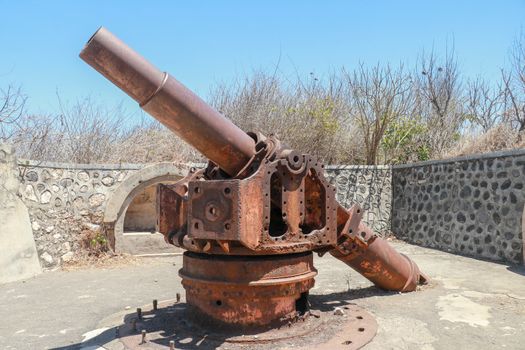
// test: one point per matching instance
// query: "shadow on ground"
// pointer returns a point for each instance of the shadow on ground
(173, 325)
(520, 270)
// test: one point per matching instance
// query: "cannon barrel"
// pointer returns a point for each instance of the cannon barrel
(170, 102)
(218, 139)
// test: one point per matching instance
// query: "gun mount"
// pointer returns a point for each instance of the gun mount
(252, 218)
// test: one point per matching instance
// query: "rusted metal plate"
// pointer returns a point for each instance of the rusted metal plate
(246, 291)
(213, 210)
(359, 330)
(277, 210)
(170, 212)
(171, 208)
(256, 205)
(170, 322)
(374, 258)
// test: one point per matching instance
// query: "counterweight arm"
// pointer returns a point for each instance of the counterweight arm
(308, 201)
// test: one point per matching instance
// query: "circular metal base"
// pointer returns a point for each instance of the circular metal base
(247, 291)
(319, 329)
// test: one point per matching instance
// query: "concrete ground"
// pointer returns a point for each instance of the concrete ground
(470, 304)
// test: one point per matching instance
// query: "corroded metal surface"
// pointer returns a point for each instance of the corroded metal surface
(170, 323)
(170, 102)
(274, 211)
(358, 330)
(252, 218)
(360, 248)
(247, 291)
(171, 208)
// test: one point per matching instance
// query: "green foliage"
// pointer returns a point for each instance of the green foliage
(423, 152)
(404, 140)
(98, 241)
(322, 112)
(94, 242)
(456, 136)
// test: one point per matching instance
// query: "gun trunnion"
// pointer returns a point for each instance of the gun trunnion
(252, 218)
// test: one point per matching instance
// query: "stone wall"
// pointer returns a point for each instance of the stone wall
(65, 201)
(368, 186)
(470, 205)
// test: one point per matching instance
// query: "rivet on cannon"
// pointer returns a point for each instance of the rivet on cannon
(247, 175)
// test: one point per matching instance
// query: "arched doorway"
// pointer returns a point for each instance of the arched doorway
(129, 218)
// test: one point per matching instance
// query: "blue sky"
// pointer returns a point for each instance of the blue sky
(205, 42)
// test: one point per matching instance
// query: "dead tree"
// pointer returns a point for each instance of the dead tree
(437, 84)
(484, 103)
(12, 103)
(379, 95)
(514, 87)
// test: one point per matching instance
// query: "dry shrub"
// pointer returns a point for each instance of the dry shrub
(310, 115)
(95, 252)
(93, 242)
(151, 143)
(498, 138)
(106, 260)
(87, 132)
(366, 115)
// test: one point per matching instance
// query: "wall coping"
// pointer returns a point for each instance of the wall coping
(357, 167)
(490, 155)
(131, 166)
(134, 166)
(478, 156)
(94, 166)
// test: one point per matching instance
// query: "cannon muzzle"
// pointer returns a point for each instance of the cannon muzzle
(283, 207)
(170, 102)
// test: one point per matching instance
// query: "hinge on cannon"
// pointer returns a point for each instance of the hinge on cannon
(355, 235)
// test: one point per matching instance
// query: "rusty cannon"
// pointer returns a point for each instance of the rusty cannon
(252, 219)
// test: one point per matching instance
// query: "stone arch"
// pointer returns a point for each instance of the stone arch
(121, 198)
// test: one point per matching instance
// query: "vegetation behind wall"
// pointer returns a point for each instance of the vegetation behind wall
(370, 114)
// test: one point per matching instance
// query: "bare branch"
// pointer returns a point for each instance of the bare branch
(12, 103)
(484, 104)
(439, 99)
(379, 95)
